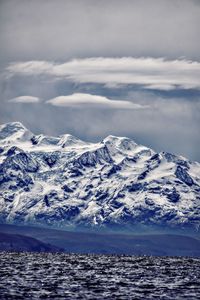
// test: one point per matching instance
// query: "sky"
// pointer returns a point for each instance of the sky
(93, 68)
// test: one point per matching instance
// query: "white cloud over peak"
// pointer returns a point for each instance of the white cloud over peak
(151, 73)
(25, 99)
(81, 99)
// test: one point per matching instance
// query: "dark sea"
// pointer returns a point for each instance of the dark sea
(71, 276)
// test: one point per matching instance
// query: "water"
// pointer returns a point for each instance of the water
(70, 276)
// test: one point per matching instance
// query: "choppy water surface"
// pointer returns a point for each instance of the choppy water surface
(67, 276)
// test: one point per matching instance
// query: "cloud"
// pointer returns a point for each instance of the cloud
(150, 73)
(63, 29)
(25, 99)
(80, 100)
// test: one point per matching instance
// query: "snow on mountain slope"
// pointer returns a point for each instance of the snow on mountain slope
(114, 184)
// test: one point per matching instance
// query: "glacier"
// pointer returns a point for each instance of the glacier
(115, 184)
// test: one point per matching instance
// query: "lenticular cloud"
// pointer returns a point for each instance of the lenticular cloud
(24, 99)
(151, 73)
(81, 99)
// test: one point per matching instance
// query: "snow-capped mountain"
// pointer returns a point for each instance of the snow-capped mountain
(114, 184)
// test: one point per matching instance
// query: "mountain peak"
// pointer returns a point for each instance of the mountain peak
(12, 125)
(70, 140)
(120, 143)
(14, 131)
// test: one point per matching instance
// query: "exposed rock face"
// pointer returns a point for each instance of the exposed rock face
(63, 181)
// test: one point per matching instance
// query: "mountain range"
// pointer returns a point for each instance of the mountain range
(40, 239)
(113, 185)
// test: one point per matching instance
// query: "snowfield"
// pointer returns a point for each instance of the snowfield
(114, 184)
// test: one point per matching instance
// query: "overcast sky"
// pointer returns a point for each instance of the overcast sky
(98, 67)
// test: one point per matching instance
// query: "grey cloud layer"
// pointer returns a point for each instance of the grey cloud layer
(152, 73)
(63, 29)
